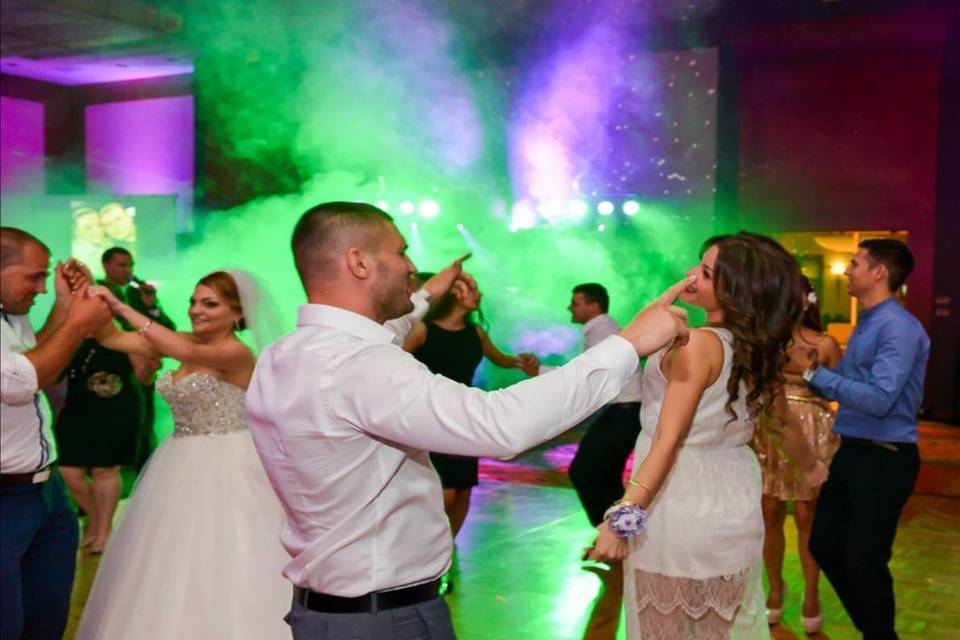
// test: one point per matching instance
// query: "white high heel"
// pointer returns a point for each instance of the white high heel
(774, 615)
(812, 625)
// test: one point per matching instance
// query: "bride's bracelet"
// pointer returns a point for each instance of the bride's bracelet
(626, 519)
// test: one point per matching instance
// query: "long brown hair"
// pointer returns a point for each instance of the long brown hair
(226, 287)
(758, 289)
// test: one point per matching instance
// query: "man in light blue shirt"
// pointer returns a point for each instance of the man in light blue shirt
(879, 385)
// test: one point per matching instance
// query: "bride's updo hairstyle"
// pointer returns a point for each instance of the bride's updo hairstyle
(226, 287)
(758, 288)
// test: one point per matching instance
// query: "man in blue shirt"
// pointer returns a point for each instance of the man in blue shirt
(879, 385)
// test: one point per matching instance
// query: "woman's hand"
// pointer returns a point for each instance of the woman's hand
(530, 364)
(107, 295)
(608, 547)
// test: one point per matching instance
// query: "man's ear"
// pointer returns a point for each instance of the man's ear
(880, 272)
(359, 263)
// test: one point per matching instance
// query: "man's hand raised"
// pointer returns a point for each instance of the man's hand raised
(443, 280)
(660, 323)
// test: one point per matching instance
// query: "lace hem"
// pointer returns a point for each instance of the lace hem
(720, 595)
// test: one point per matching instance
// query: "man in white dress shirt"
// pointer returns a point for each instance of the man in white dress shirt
(597, 469)
(343, 419)
(38, 530)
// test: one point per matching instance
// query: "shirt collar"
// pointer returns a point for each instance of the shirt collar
(324, 315)
(867, 313)
(595, 320)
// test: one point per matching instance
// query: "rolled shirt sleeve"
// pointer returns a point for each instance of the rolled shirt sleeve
(897, 351)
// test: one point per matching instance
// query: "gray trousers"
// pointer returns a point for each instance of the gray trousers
(425, 621)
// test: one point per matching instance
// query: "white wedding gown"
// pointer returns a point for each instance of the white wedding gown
(197, 555)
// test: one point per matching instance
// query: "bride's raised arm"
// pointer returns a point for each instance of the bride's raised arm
(180, 346)
(126, 341)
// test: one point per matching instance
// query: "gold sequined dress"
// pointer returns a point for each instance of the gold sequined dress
(197, 555)
(781, 478)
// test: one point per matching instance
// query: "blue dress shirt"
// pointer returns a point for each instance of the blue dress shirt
(879, 381)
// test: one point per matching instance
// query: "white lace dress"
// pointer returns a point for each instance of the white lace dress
(197, 555)
(696, 571)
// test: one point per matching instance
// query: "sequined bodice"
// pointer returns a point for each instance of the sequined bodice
(203, 404)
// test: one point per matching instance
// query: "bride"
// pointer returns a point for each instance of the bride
(198, 554)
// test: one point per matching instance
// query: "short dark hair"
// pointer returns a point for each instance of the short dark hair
(322, 228)
(594, 292)
(892, 254)
(12, 242)
(113, 251)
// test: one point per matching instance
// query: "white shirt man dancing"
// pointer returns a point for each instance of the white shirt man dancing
(343, 419)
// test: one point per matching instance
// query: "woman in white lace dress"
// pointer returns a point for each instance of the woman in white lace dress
(696, 570)
(197, 555)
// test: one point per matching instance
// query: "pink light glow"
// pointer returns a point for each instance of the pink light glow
(143, 147)
(21, 145)
(80, 70)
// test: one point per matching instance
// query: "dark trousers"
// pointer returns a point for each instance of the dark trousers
(38, 550)
(855, 525)
(425, 621)
(597, 470)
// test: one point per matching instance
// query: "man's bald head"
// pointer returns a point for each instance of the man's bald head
(12, 243)
(326, 231)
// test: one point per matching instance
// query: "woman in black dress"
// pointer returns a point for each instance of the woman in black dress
(98, 430)
(451, 344)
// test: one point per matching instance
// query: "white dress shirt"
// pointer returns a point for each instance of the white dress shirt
(595, 331)
(26, 440)
(343, 418)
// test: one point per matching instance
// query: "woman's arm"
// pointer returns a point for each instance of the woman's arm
(180, 346)
(496, 356)
(829, 350)
(416, 338)
(126, 341)
(691, 369)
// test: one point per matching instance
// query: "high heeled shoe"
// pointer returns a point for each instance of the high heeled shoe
(812, 625)
(774, 615)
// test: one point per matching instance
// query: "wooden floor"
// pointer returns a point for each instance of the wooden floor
(518, 574)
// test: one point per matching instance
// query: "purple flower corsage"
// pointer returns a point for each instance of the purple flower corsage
(627, 520)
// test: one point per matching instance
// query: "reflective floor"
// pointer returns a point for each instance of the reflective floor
(518, 575)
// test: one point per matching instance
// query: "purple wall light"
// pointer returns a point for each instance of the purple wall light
(21, 145)
(143, 147)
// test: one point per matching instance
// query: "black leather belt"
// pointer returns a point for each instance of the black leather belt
(24, 479)
(865, 442)
(369, 603)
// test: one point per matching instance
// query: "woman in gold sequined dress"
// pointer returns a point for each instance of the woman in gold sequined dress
(782, 482)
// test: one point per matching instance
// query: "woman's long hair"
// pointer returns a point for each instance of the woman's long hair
(757, 284)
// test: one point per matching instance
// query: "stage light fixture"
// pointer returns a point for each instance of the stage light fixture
(605, 208)
(631, 208)
(429, 209)
(406, 208)
(601, 227)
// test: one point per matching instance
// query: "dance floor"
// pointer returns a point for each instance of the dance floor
(518, 574)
